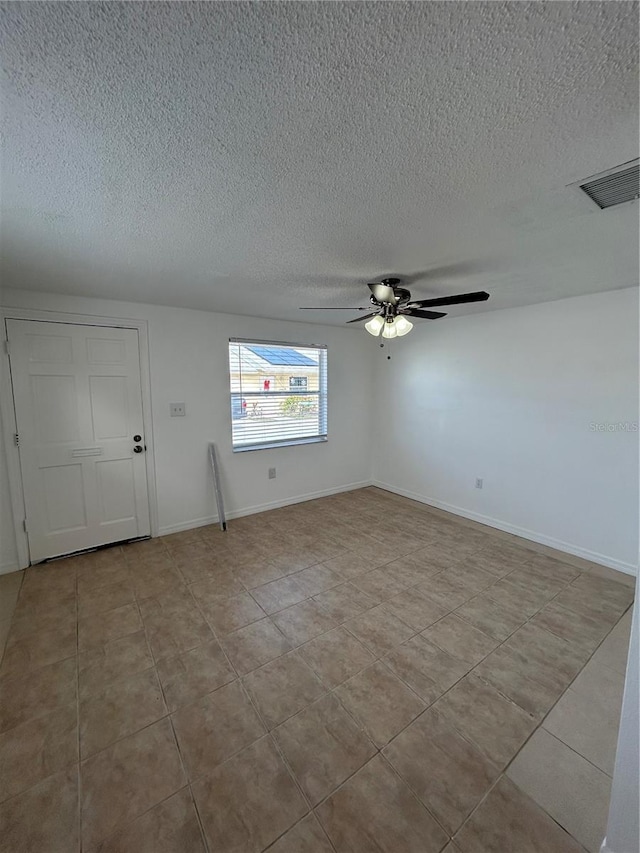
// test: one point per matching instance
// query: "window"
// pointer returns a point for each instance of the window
(278, 394)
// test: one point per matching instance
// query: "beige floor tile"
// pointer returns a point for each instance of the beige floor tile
(544, 656)
(507, 673)
(97, 576)
(215, 727)
(323, 746)
(53, 618)
(193, 674)
(317, 579)
(217, 585)
(515, 596)
(171, 634)
(100, 665)
(598, 571)
(415, 608)
(124, 707)
(460, 639)
(44, 818)
(378, 553)
(102, 627)
(304, 621)
(593, 604)
(380, 702)
(149, 580)
(25, 697)
(446, 591)
(296, 555)
(257, 573)
(472, 577)
(587, 716)
(25, 654)
(379, 584)
(283, 687)
(172, 541)
(32, 751)
(225, 615)
(375, 810)
(279, 594)
(37, 606)
(125, 780)
(170, 827)
(379, 630)
(510, 821)
(553, 774)
(350, 564)
(435, 557)
(344, 602)
(408, 571)
(249, 801)
(256, 644)
(104, 598)
(305, 837)
(555, 569)
(528, 579)
(579, 630)
(336, 656)
(614, 651)
(486, 718)
(447, 773)
(492, 562)
(602, 590)
(425, 668)
(493, 619)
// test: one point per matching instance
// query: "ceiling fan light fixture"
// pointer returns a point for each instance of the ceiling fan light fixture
(403, 326)
(390, 329)
(374, 325)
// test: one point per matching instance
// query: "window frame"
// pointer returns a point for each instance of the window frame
(322, 396)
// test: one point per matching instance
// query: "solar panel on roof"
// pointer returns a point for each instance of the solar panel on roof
(281, 355)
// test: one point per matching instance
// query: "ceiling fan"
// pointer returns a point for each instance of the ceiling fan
(393, 304)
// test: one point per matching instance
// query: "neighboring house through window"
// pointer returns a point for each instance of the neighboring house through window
(278, 394)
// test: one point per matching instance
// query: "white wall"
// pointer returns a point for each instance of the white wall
(189, 362)
(509, 396)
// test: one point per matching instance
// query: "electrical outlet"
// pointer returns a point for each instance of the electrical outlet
(272, 473)
(177, 410)
(478, 482)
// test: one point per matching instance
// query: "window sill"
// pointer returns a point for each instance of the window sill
(275, 444)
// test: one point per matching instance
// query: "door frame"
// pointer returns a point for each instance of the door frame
(7, 410)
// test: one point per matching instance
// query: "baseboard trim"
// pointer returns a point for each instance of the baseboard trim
(165, 530)
(523, 532)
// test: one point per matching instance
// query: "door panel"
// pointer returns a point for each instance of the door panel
(78, 405)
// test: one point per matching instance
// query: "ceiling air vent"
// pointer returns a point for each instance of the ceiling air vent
(614, 187)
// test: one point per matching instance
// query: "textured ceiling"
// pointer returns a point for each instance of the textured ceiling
(255, 157)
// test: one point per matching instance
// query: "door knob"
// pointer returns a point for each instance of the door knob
(137, 438)
(137, 448)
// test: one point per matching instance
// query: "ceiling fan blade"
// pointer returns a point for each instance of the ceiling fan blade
(459, 299)
(383, 293)
(366, 317)
(330, 308)
(423, 315)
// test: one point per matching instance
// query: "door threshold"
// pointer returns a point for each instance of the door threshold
(104, 547)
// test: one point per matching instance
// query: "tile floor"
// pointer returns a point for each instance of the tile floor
(357, 673)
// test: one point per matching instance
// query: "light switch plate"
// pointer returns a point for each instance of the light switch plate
(177, 410)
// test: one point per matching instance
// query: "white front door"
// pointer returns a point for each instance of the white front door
(79, 418)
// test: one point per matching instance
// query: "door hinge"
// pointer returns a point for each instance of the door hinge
(24, 525)
(16, 439)
(7, 348)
